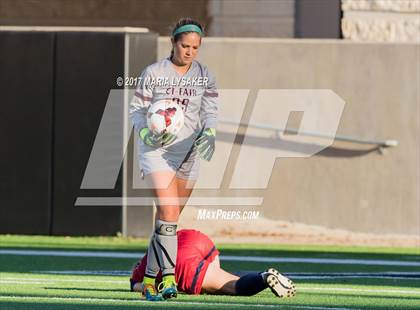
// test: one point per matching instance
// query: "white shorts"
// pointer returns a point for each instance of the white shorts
(186, 165)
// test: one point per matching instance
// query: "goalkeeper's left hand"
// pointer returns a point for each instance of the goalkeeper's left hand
(205, 143)
(168, 138)
(156, 140)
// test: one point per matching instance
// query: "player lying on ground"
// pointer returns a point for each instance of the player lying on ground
(198, 271)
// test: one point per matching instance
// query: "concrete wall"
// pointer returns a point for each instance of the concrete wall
(252, 18)
(157, 15)
(136, 221)
(221, 18)
(274, 18)
(345, 186)
(381, 20)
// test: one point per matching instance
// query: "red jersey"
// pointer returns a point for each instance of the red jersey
(195, 253)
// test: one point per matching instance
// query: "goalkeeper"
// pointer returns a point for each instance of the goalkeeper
(198, 271)
(170, 163)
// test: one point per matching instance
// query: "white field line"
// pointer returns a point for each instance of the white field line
(350, 277)
(72, 253)
(315, 275)
(343, 289)
(378, 273)
(112, 273)
(338, 261)
(127, 272)
(29, 280)
(222, 257)
(65, 280)
(139, 301)
(407, 275)
(25, 283)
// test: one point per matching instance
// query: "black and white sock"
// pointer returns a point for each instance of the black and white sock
(153, 264)
(165, 246)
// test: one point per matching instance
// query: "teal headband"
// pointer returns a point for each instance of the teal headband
(188, 28)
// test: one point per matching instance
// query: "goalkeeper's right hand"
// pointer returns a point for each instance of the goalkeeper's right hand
(155, 140)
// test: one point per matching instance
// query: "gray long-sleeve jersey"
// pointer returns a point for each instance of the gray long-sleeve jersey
(195, 92)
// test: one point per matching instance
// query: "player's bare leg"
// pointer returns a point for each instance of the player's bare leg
(218, 281)
(163, 246)
(185, 188)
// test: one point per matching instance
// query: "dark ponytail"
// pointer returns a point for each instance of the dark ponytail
(180, 23)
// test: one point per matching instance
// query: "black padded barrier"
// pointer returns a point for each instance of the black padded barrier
(87, 66)
(26, 105)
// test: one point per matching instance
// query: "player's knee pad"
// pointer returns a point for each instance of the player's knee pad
(166, 228)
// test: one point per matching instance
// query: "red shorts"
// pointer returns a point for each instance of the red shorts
(195, 253)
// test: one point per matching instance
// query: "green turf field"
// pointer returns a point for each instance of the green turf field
(72, 282)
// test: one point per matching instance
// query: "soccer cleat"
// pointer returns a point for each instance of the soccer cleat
(279, 284)
(149, 292)
(168, 287)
